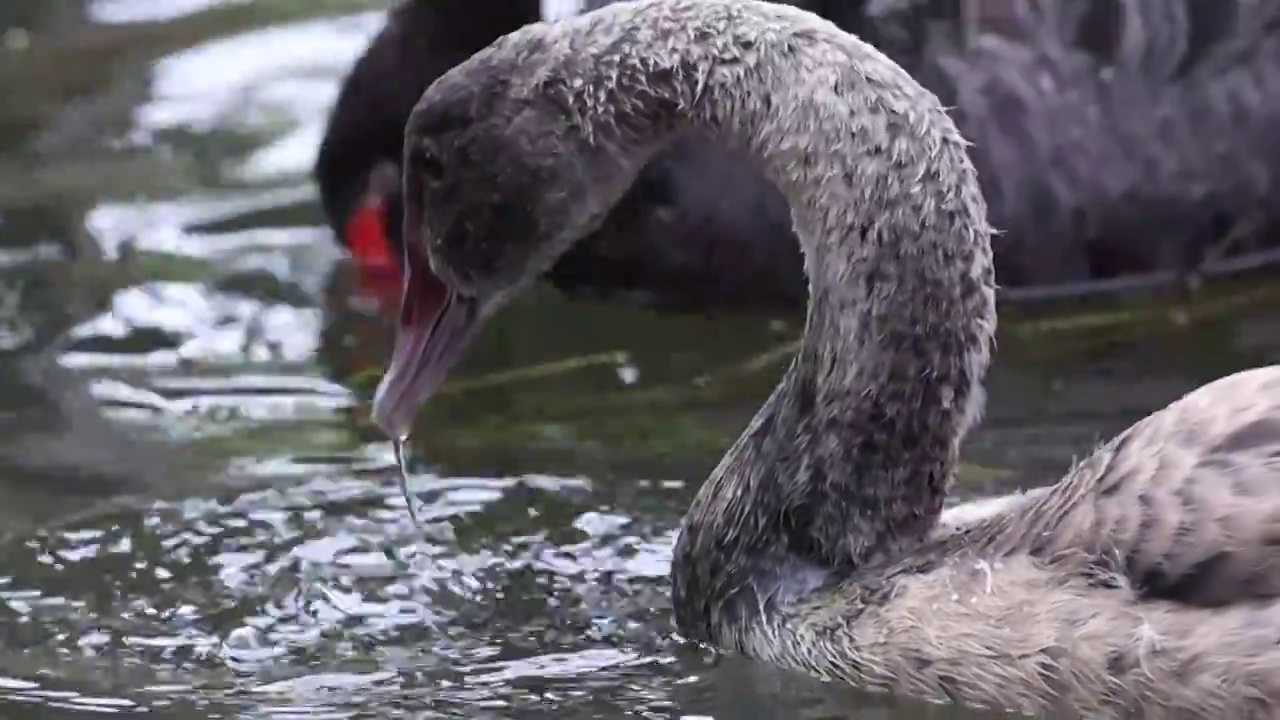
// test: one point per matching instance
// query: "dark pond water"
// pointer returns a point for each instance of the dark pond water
(196, 512)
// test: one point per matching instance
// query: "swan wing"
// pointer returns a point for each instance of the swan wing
(1188, 498)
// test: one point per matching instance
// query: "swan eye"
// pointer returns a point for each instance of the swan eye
(656, 189)
(430, 167)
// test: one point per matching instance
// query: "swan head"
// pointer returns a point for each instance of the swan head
(499, 181)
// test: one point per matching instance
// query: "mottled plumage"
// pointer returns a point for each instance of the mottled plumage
(1141, 585)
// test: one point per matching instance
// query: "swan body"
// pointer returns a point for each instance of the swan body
(1146, 583)
(1111, 138)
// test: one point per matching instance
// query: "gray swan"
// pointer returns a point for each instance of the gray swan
(1146, 583)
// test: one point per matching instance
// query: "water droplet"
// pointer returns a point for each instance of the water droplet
(398, 447)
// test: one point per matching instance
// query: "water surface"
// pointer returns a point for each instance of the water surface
(199, 520)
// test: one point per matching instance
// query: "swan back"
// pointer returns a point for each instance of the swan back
(1116, 135)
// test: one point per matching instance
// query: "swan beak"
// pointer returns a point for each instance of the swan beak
(437, 323)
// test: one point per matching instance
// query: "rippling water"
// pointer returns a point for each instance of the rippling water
(199, 520)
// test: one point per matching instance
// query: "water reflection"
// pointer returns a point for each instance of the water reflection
(199, 519)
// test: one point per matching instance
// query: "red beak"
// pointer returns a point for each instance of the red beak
(377, 273)
(436, 326)
(366, 232)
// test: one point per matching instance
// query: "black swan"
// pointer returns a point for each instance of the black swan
(1116, 138)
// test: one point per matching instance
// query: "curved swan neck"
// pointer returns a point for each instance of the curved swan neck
(849, 460)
